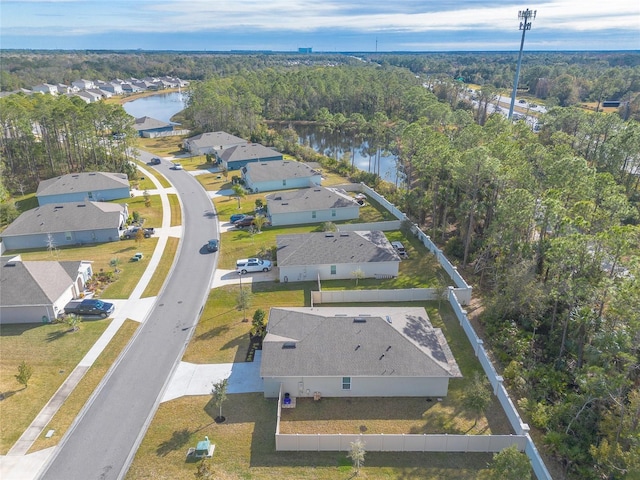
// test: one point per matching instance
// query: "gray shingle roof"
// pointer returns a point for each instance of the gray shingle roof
(285, 170)
(66, 217)
(248, 151)
(320, 248)
(308, 199)
(82, 182)
(385, 341)
(215, 140)
(33, 283)
(148, 123)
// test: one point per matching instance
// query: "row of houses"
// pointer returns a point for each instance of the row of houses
(92, 91)
(72, 210)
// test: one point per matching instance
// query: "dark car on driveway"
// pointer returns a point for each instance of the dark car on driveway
(249, 221)
(155, 161)
(236, 216)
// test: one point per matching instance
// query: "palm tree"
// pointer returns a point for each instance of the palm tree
(238, 192)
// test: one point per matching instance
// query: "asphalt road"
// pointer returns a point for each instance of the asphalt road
(102, 443)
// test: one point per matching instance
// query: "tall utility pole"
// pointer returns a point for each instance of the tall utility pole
(525, 24)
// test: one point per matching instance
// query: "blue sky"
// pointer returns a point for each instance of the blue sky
(326, 26)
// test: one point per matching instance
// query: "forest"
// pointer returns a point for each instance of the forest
(545, 224)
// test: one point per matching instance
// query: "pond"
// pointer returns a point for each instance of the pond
(161, 107)
(337, 145)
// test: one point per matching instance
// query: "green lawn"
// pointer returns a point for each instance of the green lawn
(72, 405)
(221, 336)
(101, 255)
(245, 448)
(176, 212)
(161, 272)
(53, 352)
(240, 243)
(152, 215)
(161, 146)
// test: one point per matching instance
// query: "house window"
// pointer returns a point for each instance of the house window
(346, 383)
(284, 182)
(333, 213)
(313, 214)
(67, 236)
(333, 269)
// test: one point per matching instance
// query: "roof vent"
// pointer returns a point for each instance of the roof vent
(357, 346)
(58, 206)
(81, 205)
(13, 265)
(277, 198)
(388, 348)
(388, 319)
(342, 234)
(317, 190)
(340, 315)
(359, 320)
(285, 203)
(328, 235)
(75, 176)
(288, 345)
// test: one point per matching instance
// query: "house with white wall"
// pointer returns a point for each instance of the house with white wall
(270, 176)
(355, 352)
(84, 186)
(211, 142)
(72, 223)
(37, 291)
(311, 205)
(335, 255)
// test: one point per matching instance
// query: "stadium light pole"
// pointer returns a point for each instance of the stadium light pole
(525, 24)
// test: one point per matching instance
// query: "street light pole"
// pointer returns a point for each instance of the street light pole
(525, 24)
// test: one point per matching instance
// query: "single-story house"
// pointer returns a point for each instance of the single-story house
(81, 187)
(269, 176)
(355, 352)
(46, 88)
(69, 223)
(236, 157)
(35, 292)
(83, 84)
(211, 142)
(311, 205)
(88, 97)
(151, 125)
(335, 255)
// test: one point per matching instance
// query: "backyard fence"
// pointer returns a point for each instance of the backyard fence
(521, 428)
(171, 133)
(319, 442)
(389, 225)
(457, 296)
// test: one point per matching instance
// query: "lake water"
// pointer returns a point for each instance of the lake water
(161, 107)
(336, 145)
